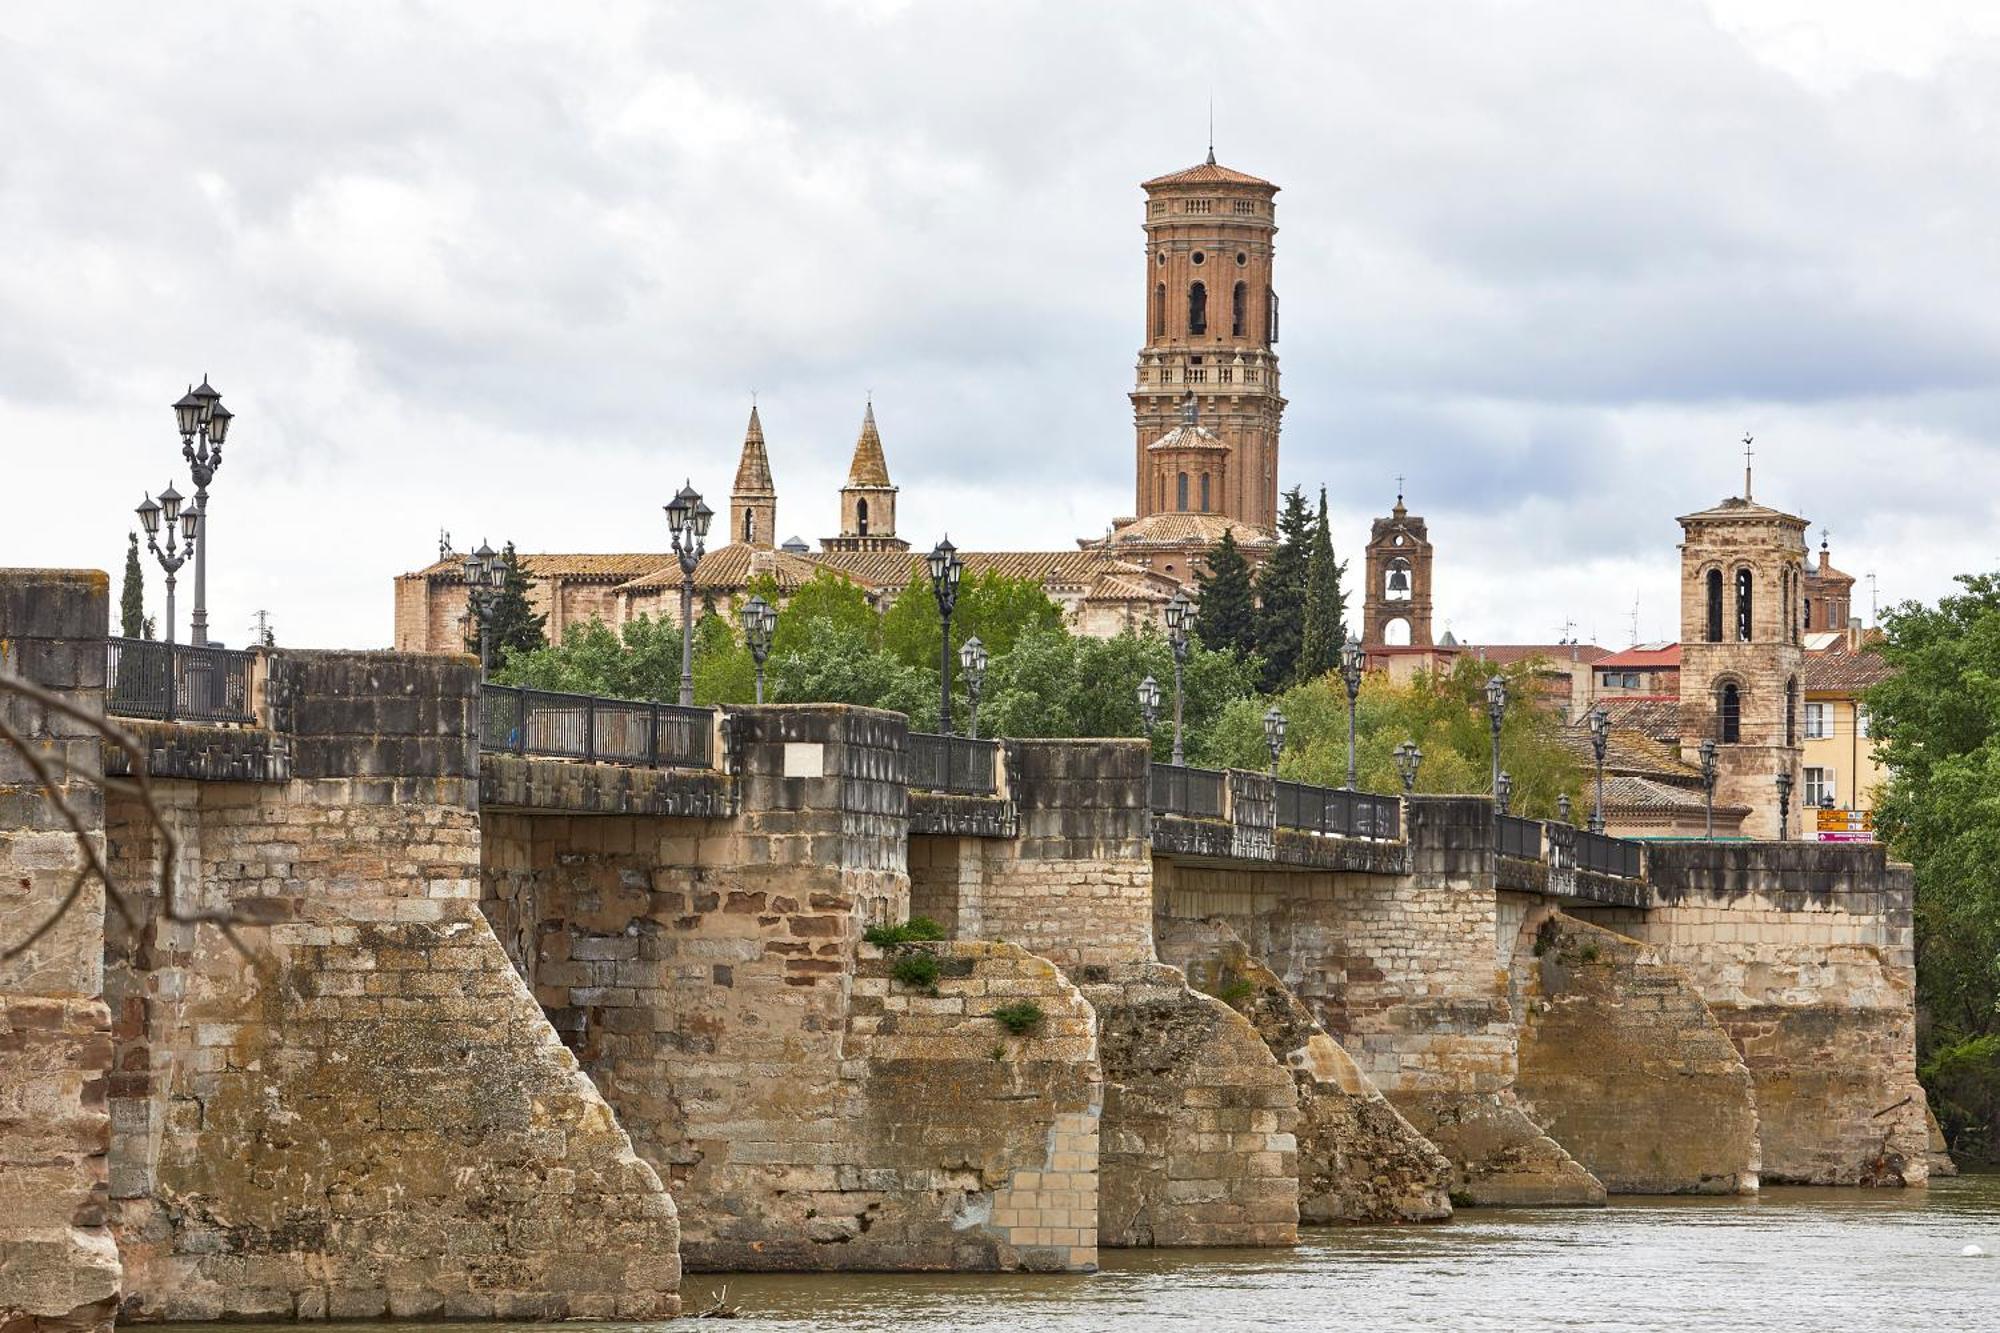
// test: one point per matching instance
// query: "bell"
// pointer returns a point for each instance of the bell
(1399, 581)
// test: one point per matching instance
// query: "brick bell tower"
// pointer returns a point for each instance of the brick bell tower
(1211, 327)
(1743, 569)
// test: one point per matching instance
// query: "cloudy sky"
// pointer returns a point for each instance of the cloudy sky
(516, 270)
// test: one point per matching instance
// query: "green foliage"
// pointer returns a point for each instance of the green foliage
(1226, 620)
(891, 936)
(1235, 992)
(1325, 624)
(1281, 593)
(825, 603)
(843, 666)
(1963, 1079)
(516, 627)
(918, 971)
(996, 608)
(1019, 1018)
(132, 593)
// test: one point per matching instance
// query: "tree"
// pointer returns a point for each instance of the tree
(132, 593)
(1325, 624)
(841, 666)
(1281, 593)
(997, 608)
(515, 625)
(1226, 618)
(821, 605)
(1936, 726)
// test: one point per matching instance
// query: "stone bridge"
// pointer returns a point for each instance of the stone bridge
(513, 1035)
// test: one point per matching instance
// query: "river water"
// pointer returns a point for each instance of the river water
(1791, 1259)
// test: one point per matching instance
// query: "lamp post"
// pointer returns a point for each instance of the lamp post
(1503, 792)
(1274, 735)
(760, 620)
(1149, 704)
(1600, 732)
(1351, 661)
(687, 520)
(485, 573)
(972, 657)
(204, 424)
(1408, 759)
(1785, 805)
(946, 569)
(1708, 788)
(1496, 713)
(1177, 616)
(1563, 807)
(188, 520)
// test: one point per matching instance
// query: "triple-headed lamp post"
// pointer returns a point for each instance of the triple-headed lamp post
(1708, 788)
(1352, 659)
(1785, 805)
(1600, 732)
(946, 569)
(204, 424)
(188, 520)
(485, 574)
(1408, 759)
(1177, 639)
(1274, 735)
(972, 656)
(687, 521)
(760, 622)
(1496, 713)
(1149, 704)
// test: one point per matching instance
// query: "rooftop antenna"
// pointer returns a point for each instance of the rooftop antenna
(1635, 618)
(262, 629)
(1874, 609)
(1746, 464)
(1211, 127)
(1567, 634)
(1399, 490)
(444, 545)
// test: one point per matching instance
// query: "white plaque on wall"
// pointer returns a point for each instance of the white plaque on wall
(805, 759)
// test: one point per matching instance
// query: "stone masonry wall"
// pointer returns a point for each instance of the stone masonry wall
(59, 1268)
(1400, 969)
(1803, 951)
(1359, 1159)
(367, 1115)
(1622, 1063)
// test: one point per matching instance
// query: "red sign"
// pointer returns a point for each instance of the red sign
(1830, 836)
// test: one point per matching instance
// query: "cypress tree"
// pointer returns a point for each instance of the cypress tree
(516, 626)
(132, 593)
(1281, 593)
(1326, 605)
(1226, 619)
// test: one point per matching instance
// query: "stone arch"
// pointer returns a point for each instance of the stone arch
(1712, 579)
(1396, 632)
(1746, 592)
(861, 518)
(1728, 710)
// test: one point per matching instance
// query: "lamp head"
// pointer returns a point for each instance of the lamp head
(219, 418)
(1496, 696)
(187, 413)
(170, 504)
(190, 523)
(149, 516)
(1177, 612)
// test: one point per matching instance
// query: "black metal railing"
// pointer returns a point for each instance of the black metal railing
(1518, 837)
(177, 682)
(1337, 812)
(1180, 790)
(959, 765)
(550, 724)
(1607, 855)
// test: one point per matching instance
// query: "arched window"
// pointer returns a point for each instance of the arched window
(1396, 633)
(1204, 492)
(1197, 308)
(1160, 310)
(749, 525)
(1715, 606)
(1805, 612)
(1729, 709)
(1239, 309)
(1180, 492)
(861, 517)
(1272, 298)
(1396, 581)
(1743, 606)
(1792, 711)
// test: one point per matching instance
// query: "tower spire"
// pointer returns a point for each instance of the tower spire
(753, 500)
(1746, 464)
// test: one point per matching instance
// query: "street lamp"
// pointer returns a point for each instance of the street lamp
(1785, 805)
(1177, 639)
(204, 424)
(485, 573)
(946, 570)
(1563, 807)
(1274, 735)
(687, 520)
(1149, 704)
(168, 508)
(760, 621)
(1504, 792)
(1708, 787)
(972, 656)
(1351, 662)
(1600, 732)
(1496, 713)
(1408, 759)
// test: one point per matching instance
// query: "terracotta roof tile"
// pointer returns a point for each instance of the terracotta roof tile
(1837, 669)
(1207, 173)
(1558, 654)
(588, 565)
(1178, 529)
(1643, 655)
(1657, 716)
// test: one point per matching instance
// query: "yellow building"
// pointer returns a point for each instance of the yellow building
(1840, 772)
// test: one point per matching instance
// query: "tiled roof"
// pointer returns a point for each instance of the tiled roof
(730, 567)
(1559, 654)
(1178, 529)
(753, 472)
(1837, 669)
(1207, 173)
(1642, 656)
(585, 566)
(869, 467)
(1632, 752)
(1738, 507)
(1187, 436)
(1654, 715)
(727, 568)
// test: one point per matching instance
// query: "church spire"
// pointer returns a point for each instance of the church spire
(868, 500)
(869, 467)
(753, 500)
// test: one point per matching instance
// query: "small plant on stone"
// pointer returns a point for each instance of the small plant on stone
(918, 971)
(1235, 993)
(1019, 1018)
(997, 1053)
(1588, 953)
(917, 928)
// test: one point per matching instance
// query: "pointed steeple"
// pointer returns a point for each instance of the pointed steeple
(868, 500)
(753, 471)
(753, 500)
(869, 467)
